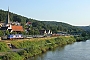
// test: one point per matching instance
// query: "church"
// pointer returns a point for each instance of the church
(11, 26)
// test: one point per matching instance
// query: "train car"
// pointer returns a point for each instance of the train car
(4, 37)
(16, 36)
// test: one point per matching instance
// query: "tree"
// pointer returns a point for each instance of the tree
(7, 32)
(84, 34)
(1, 33)
(13, 32)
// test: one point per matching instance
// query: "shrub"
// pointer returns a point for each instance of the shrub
(3, 47)
(12, 56)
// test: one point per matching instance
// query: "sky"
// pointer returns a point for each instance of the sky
(74, 12)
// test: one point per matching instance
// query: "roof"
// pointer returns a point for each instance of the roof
(3, 28)
(42, 31)
(29, 22)
(17, 28)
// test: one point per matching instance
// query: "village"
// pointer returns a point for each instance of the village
(16, 29)
(44, 29)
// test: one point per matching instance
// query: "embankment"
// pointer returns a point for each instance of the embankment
(36, 46)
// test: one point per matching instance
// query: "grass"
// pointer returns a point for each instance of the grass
(36, 46)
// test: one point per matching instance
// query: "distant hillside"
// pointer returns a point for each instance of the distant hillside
(63, 26)
(86, 28)
(38, 25)
(13, 17)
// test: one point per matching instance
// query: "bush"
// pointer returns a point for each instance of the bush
(12, 56)
(3, 47)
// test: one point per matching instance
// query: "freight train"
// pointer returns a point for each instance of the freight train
(12, 36)
(21, 36)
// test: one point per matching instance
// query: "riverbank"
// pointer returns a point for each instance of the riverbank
(36, 46)
(80, 38)
(76, 51)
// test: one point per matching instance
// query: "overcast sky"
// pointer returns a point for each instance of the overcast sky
(74, 12)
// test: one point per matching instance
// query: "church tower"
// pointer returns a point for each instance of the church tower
(8, 18)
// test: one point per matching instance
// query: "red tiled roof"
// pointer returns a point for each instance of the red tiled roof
(17, 28)
(29, 22)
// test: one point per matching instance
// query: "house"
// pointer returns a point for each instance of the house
(11, 26)
(3, 28)
(42, 32)
(29, 23)
(45, 32)
(16, 28)
(2, 24)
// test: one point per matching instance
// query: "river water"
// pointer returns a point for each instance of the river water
(75, 51)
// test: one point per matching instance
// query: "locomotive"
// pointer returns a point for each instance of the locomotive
(15, 36)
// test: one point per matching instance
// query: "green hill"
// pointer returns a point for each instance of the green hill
(60, 26)
(38, 25)
(85, 28)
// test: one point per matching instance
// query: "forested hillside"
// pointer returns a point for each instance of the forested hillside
(86, 28)
(38, 25)
(60, 26)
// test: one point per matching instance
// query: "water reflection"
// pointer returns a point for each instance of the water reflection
(76, 51)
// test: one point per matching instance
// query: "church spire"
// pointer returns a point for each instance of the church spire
(8, 18)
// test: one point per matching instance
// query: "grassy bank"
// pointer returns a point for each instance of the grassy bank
(36, 46)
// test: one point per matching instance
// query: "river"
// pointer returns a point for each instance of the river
(75, 51)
